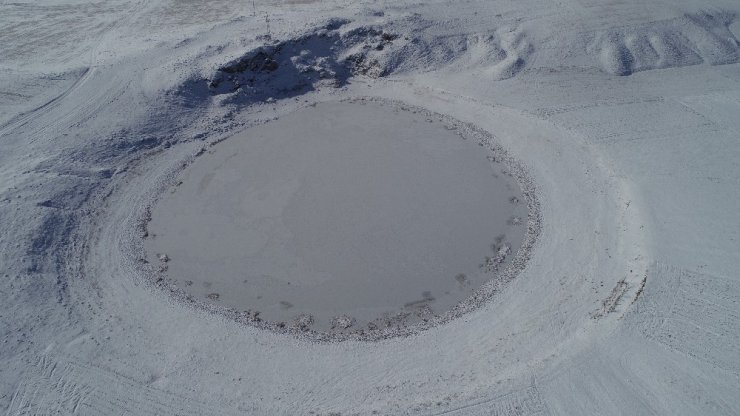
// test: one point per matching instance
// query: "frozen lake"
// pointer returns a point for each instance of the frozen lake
(361, 211)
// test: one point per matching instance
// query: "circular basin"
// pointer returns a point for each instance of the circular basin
(339, 216)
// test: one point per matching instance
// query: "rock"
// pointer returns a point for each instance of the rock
(303, 322)
(342, 322)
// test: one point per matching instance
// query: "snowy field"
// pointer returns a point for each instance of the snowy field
(619, 119)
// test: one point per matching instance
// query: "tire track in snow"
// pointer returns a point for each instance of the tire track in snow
(24, 118)
(524, 402)
(693, 313)
(34, 118)
(57, 386)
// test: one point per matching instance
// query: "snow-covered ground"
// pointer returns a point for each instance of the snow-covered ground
(624, 114)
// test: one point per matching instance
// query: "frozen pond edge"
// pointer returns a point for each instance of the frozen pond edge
(151, 274)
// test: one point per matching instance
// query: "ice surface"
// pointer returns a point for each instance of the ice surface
(339, 209)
